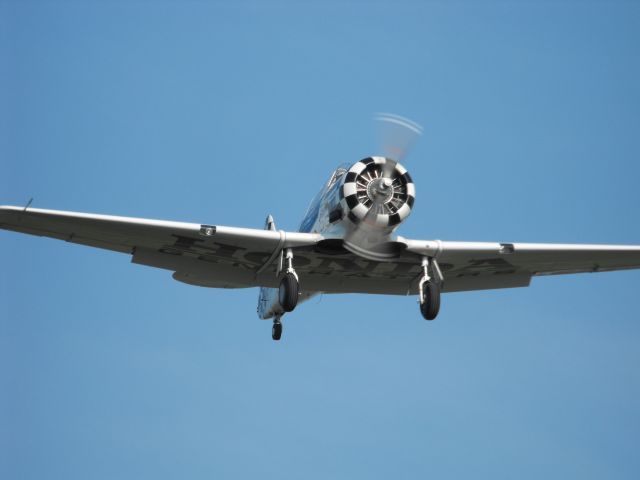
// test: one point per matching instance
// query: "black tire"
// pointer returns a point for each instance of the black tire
(288, 292)
(430, 304)
(276, 331)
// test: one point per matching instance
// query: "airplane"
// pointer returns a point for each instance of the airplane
(346, 243)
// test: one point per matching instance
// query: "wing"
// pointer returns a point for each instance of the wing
(210, 255)
(229, 257)
(217, 256)
(478, 266)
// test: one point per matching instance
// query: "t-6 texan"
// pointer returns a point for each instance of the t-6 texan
(346, 243)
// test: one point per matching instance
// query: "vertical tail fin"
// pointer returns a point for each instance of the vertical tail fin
(270, 223)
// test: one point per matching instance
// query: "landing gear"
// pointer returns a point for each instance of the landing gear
(288, 292)
(276, 330)
(429, 290)
(289, 286)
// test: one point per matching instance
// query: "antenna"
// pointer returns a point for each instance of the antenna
(28, 204)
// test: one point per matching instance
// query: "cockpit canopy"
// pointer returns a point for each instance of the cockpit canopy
(311, 214)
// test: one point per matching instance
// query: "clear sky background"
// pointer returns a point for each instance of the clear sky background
(224, 112)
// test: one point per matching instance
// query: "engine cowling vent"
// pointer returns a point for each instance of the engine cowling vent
(382, 185)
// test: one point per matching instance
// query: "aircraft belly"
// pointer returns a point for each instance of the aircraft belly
(354, 285)
(409, 286)
(322, 273)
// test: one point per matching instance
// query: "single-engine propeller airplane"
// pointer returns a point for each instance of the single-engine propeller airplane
(345, 244)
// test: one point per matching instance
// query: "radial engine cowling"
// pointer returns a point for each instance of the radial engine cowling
(377, 195)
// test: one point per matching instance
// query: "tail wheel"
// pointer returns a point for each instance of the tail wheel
(430, 304)
(288, 292)
(276, 331)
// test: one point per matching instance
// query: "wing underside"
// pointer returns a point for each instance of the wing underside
(228, 257)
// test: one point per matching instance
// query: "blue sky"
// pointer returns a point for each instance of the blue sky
(223, 112)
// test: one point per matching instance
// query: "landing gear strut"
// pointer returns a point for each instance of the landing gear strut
(429, 290)
(288, 292)
(276, 330)
(289, 286)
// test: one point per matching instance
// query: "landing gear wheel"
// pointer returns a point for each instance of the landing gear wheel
(288, 292)
(430, 304)
(276, 330)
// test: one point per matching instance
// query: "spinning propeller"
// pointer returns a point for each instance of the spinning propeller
(396, 135)
(383, 188)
